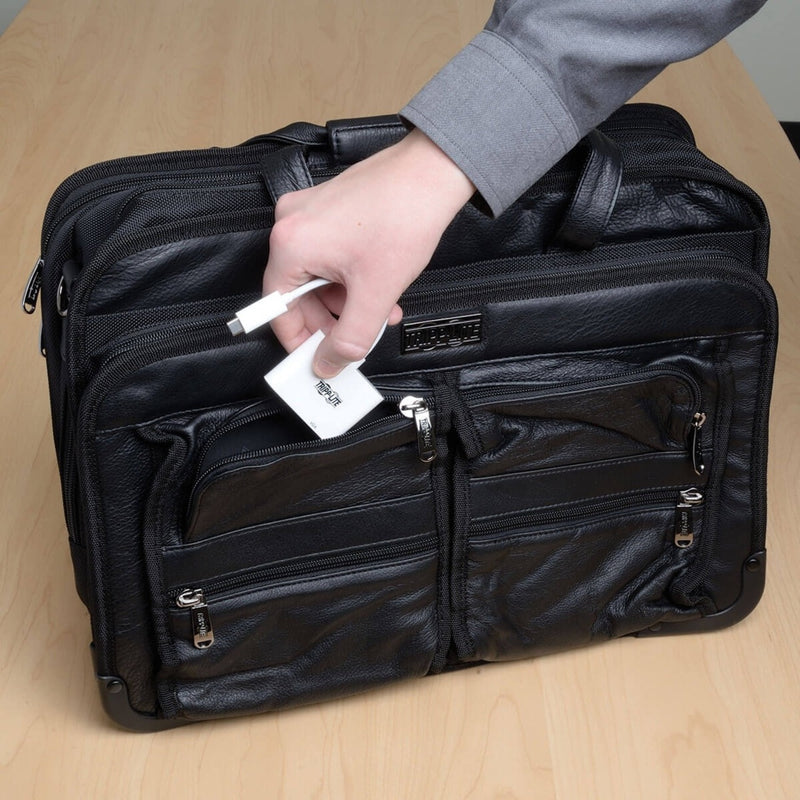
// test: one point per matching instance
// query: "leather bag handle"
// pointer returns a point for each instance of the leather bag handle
(351, 140)
(346, 140)
(595, 195)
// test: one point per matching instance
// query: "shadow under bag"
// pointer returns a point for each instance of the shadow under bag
(581, 453)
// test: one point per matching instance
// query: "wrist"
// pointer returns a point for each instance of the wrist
(434, 174)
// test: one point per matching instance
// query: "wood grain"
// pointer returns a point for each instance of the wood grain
(698, 716)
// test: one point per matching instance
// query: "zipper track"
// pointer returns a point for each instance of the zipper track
(211, 158)
(147, 184)
(490, 528)
(238, 181)
(305, 446)
(138, 167)
(484, 394)
(301, 566)
(571, 279)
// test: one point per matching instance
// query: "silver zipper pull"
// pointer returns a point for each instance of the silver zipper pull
(195, 601)
(684, 517)
(416, 408)
(696, 442)
(31, 294)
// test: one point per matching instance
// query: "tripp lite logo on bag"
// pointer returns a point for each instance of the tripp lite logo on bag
(437, 334)
(331, 397)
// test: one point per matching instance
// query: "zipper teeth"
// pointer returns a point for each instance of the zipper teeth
(670, 122)
(254, 415)
(146, 184)
(141, 166)
(308, 445)
(485, 528)
(481, 393)
(303, 566)
(178, 331)
(543, 284)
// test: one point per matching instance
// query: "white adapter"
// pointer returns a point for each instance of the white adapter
(329, 407)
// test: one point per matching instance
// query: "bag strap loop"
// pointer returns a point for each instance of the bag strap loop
(285, 170)
(595, 195)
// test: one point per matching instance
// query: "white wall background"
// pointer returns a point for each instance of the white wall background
(767, 44)
(8, 10)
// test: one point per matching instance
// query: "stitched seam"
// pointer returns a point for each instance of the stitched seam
(535, 472)
(465, 570)
(527, 474)
(530, 537)
(313, 579)
(559, 506)
(297, 520)
(337, 134)
(538, 74)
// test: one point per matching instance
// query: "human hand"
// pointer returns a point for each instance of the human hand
(371, 231)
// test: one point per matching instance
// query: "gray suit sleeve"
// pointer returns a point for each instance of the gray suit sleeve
(542, 73)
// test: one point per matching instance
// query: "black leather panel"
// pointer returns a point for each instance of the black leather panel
(559, 582)
(192, 269)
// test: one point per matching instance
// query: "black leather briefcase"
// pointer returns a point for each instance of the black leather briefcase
(595, 366)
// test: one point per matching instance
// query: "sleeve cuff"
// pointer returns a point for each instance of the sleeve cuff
(496, 116)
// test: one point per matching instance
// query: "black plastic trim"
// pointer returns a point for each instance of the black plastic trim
(115, 702)
(753, 576)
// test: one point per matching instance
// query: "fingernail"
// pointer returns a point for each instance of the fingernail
(326, 369)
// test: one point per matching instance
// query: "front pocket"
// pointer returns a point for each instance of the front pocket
(264, 466)
(540, 445)
(302, 630)
(563, 577)
(566, 490)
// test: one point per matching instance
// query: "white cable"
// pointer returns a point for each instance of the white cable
(270, 306)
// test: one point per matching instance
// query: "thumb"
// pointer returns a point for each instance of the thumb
(351, 338)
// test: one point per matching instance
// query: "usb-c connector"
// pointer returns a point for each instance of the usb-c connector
(269, 307)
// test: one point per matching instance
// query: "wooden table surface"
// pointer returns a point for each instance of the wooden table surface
(711, 716)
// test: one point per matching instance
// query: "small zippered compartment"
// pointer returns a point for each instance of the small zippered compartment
(300, 630)
(263, 465)
(555, 442)
(564, 576)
